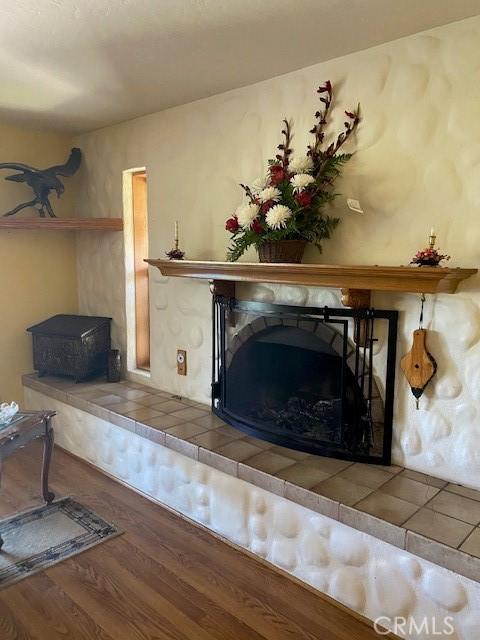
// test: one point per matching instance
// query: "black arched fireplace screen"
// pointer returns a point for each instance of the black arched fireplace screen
(294, 376)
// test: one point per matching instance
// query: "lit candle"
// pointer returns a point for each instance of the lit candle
(432, 231)
(176, 230)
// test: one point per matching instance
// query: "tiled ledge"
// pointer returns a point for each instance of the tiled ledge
(422, 514)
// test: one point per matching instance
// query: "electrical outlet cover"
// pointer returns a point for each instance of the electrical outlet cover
(181, 362)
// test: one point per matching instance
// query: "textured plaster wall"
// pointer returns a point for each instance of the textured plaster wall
(37, 268)
(417, 166)
(364, 573)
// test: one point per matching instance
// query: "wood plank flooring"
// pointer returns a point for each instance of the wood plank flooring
(165, 578)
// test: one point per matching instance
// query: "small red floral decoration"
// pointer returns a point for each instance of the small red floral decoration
(428, 257)
(175, 254)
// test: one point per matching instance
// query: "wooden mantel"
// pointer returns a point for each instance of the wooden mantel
(356, 282)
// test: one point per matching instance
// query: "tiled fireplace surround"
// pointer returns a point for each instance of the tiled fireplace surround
(391, 503)
(426, 517)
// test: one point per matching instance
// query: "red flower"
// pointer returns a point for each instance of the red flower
(266, 206)
(232, 224)
(256, 226)
(277, 174)
(326, 87)
(303, 198)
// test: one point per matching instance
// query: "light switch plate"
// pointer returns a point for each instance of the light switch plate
(181, 362)
(354, 205)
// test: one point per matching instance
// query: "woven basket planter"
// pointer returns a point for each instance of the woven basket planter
(282, 251)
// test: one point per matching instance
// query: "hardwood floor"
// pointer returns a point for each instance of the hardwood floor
(165, 578)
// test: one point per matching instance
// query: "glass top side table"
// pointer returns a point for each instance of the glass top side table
(26, 427)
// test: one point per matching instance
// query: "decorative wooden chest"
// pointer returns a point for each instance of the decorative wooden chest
(75, 346)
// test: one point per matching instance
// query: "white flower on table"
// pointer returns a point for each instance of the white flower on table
(278, 216)
(7, 411)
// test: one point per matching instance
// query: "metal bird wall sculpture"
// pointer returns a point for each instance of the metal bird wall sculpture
(42, 182)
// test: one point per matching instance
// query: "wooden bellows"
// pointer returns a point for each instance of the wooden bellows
(418, 364)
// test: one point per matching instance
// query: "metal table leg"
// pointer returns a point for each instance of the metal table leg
(1, 464)
(48, 496)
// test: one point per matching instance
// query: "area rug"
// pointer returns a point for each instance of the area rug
(43, 536)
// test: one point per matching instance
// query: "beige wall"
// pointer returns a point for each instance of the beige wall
(37, 268)
(417, 166)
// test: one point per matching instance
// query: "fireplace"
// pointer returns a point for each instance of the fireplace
(295, 377)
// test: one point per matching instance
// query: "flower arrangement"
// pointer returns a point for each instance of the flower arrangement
(287, 204)
(428, 257)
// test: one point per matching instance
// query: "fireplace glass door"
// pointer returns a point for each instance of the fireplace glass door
(295, 377)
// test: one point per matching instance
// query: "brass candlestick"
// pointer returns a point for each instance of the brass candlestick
(175, 253)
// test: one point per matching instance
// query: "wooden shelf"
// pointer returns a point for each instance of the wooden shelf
(63, 224)
(345, 277)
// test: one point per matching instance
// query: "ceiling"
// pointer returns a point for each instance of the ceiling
(77, 65)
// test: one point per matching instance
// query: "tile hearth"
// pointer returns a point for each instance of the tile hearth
(425, 515)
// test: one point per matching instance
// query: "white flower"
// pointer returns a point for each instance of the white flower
(277, 216)
(246, 214)
(300, 164)
(260, 183)
(300, 181)
(270, 193)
